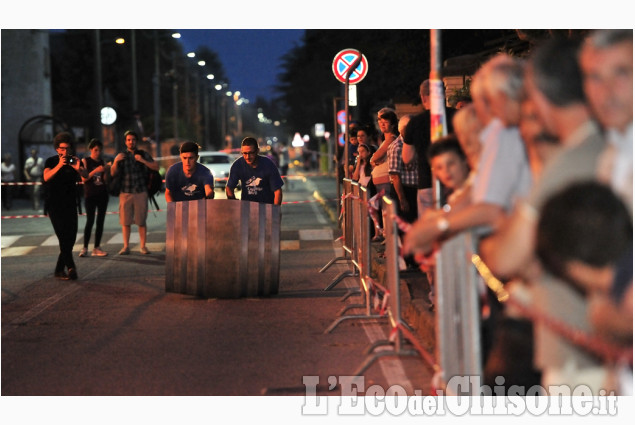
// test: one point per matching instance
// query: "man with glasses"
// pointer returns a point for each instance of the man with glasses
(259, 177)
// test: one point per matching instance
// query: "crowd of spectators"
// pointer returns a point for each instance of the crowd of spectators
(538, 170)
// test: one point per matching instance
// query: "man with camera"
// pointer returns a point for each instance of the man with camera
(61, 174)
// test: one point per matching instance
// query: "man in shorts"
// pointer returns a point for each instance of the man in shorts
(133, 165)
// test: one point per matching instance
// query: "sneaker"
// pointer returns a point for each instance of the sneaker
(144, 250)
(83, 252)
(124, 251)
(97, 252)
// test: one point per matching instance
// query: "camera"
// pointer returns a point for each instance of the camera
(69, 159)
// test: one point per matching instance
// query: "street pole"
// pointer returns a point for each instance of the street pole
(98, 83)
(157, 104)
(135, 95)
(175, 98)
(346, 84)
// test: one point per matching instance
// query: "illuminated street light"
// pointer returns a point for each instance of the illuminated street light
(201, 63)
(176, 35)
(191, 55)
(210, 76)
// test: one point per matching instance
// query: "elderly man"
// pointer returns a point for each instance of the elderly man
(606, 60)
(503, 173)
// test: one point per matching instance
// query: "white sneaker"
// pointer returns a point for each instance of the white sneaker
(97, 252)
(83, 252)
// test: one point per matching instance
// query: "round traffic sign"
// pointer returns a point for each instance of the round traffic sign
(341, 117)
(343, 62)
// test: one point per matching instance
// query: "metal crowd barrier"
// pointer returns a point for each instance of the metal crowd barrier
(361, 258)
(458, 338)
(347, 236)
(221, 248)
(398, 325)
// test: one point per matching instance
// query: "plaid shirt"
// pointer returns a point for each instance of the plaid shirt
(408, 174)
(133, 173)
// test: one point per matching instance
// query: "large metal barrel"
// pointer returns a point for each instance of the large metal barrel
(220, 248)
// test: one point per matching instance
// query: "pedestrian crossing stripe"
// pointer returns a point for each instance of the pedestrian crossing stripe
(11, 244)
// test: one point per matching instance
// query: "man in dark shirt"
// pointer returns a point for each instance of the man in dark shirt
(416, 142)
(258, 176)
(188, 180)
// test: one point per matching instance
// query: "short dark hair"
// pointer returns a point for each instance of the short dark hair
(449, 143)
(189, 147)
(95, 142)
(390, 115)
(63, 137)
(250, 141)
(587, 222)
(131, 133)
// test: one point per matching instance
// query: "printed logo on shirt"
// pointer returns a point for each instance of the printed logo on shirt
(253, 185)
(189, 189)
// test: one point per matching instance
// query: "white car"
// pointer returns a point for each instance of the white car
(218, 163)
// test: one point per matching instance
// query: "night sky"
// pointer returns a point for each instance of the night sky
(251, 57)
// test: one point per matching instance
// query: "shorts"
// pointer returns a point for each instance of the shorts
(133, 208)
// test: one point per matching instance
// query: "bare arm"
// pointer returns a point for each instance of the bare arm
(168, 195)
(508, 251)
(277, 197)
(382, 150)
(229, 191)
(209, 191)
(153, 165)
(425, 232)
(408, 154)
(395, 180)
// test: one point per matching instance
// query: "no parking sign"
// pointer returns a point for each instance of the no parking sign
(343, 62)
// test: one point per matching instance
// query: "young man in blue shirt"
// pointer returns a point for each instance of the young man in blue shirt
(188, 180)
(258, 176)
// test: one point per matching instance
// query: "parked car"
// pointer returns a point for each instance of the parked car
(219, 164)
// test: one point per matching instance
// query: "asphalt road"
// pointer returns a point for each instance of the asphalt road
(117, 332)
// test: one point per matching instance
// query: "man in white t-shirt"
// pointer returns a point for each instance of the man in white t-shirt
(33, 168)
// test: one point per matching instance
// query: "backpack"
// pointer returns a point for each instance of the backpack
(113, 183)
(155, 181)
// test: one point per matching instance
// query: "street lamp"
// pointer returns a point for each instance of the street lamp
(99, 82)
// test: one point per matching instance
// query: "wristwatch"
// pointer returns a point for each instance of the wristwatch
(443, 224)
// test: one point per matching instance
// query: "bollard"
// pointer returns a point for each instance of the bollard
(221, 248)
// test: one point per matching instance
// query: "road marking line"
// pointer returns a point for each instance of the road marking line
(50, 301)
(35, 311)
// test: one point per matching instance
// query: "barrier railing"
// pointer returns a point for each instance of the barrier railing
(361, 259)
(400, 331)
(347, 236)
(458, 335)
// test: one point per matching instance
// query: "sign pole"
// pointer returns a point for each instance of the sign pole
(350, 71)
